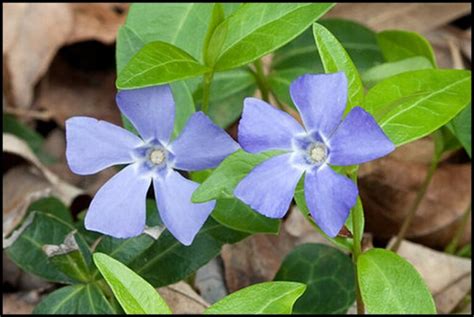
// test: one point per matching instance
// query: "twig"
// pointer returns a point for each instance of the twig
(28, 113)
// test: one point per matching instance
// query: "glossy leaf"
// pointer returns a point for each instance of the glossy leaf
(391, 285)
(182, 24)
(461, 127)
(221, 183)
(238, 216)
(158, 63)
(228, 91)
(263, 298)
(397, 45)
(328, 274)
(134, 294)
(399, 102)
(167, 261)
(210, 51)
(343, 243)
(75, 299)
(50, 224)
(256, 29)
(385, 70)
(335, 59)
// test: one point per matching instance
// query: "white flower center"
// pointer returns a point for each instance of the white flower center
(318, 152)
(157, 156)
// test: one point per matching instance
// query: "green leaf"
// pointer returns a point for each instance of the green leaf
(182, 24)
(30, 136)
(343, 243)
(256, 29)
(236, 215)
(158, 63)
(134, 294)
(221, 183)
(75, 299)
(336, 59)
(69, 258)
(359, 42)
(299, 57)
(411, 105)
(128, 44)
(328, 274)
(262, 298)
(210, 52)
(43, 226)
(228, 91)
(390, 285)
(167, 261)
(461, 127)
(383, 71)
(397, 45)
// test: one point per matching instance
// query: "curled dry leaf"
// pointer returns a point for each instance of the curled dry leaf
(182, 299)
(417, 17)
(20, 303)
(30, 45)
(24, 184)
(447, 277)
(97, 21)
(257, 258)
(388, 187)
(67, 91)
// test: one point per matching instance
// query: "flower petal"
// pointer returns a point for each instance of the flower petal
(92, 145)
(150, 109)
(329, 197)
(358, 139)
(321, 100)
(118, 209)
(264, 127)
(270, 186)
(201, 144)
(182, 217)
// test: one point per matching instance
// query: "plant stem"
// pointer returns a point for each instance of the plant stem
(453, 245)
(356, 251)
(206, 88)
(261, 79)
(419, 197)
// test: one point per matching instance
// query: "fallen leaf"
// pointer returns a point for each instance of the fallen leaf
(389, 186)
(14, 145)
(182, 299)
(257, 258)
(448, 277)
(97, 21)
(209, 281)
(417, 17)
(67, 91)
(34, 32)
(20, 303)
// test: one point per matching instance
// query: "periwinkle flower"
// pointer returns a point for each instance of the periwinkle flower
(118, 209)
(324, 139)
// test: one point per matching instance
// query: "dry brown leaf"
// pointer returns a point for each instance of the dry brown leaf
(182, 299)
(65, 191)
(34, 32)
(417, 17)
(21, 186)
(20, 303)
(257, 258)
(389, 185)
(447, 277)
(97, 21)
(67, 91)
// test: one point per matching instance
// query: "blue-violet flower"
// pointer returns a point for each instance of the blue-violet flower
(118, 209)
(324, 139)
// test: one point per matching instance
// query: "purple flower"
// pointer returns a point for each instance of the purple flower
(324, 140)
(118, 208)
